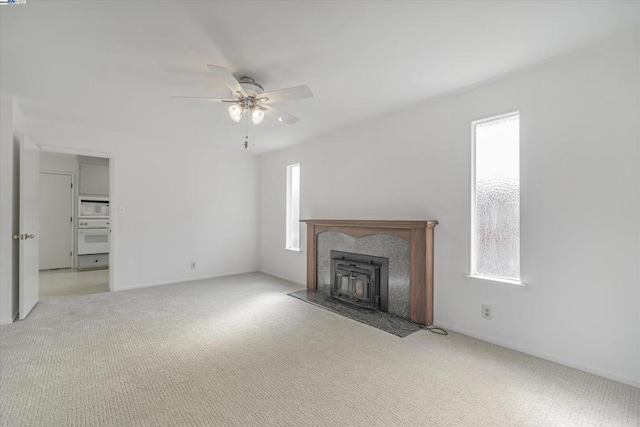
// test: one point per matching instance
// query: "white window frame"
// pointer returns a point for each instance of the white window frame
(288, 246)
(473, 272)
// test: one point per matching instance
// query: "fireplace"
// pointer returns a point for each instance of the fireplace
(360, 280)
(418, 234)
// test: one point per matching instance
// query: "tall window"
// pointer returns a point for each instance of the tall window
(495, 223)
(293, 207)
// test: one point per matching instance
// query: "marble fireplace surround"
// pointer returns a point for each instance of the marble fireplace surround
(420, 237)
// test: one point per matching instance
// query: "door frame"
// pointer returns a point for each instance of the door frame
(73, 211)
(112, 197)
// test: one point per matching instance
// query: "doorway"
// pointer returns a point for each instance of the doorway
(67, 264)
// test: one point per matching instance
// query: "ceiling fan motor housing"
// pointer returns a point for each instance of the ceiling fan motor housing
(250, 86)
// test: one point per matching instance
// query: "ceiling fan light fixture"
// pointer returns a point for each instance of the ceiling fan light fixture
(235, 112)
(247, 96)
(257, 115)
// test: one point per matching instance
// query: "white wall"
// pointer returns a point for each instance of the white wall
(94, 176)
(57, 162)
(183, 202)
(579, 195)
(6, 215)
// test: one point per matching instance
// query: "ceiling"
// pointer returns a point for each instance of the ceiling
(114, 65)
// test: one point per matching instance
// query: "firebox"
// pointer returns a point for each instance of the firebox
(361, 280)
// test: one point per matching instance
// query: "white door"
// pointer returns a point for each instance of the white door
(28, 270)
(55, 221)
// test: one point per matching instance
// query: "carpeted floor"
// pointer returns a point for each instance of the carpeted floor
(237, 351)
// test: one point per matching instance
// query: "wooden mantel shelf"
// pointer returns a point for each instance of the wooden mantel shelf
(372, 223)
(420, 237)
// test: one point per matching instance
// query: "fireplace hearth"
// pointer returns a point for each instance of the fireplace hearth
(360, 280)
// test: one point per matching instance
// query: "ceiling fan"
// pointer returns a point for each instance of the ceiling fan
(247, 96)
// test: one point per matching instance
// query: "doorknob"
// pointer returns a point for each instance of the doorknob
(23, 236)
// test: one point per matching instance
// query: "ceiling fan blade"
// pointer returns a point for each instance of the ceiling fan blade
(204, 98)
(228, 79)
(287, 94)
(279, 115)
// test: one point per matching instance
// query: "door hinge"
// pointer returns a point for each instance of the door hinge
(70, 253)
(72, 185)
(71, 219)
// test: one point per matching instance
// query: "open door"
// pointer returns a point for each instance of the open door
(29, 280)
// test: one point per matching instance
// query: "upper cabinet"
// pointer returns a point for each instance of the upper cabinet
(94, 176)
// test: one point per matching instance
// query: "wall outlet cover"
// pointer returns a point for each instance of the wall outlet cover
(487, 312)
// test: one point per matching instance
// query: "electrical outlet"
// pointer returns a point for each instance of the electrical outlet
(487, 312)
(193, 265)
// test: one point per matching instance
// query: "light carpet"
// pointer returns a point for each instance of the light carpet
(237, 351)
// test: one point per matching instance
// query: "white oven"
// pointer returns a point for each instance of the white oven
(93, 207)
(93, 236)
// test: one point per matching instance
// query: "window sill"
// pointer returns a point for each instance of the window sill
(495, 281)
(293, 250)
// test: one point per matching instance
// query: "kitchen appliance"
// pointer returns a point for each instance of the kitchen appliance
(93, 236)
(93, 207)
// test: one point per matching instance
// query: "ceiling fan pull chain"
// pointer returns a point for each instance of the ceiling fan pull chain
(246, 132)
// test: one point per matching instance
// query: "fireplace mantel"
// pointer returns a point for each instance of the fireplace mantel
(420, 237)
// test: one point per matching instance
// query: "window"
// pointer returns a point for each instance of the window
(495, 190)
(293, 207)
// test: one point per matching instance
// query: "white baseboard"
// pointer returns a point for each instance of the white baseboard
(185, 280)
(288, 279)
(9, 321)
(561, 361)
